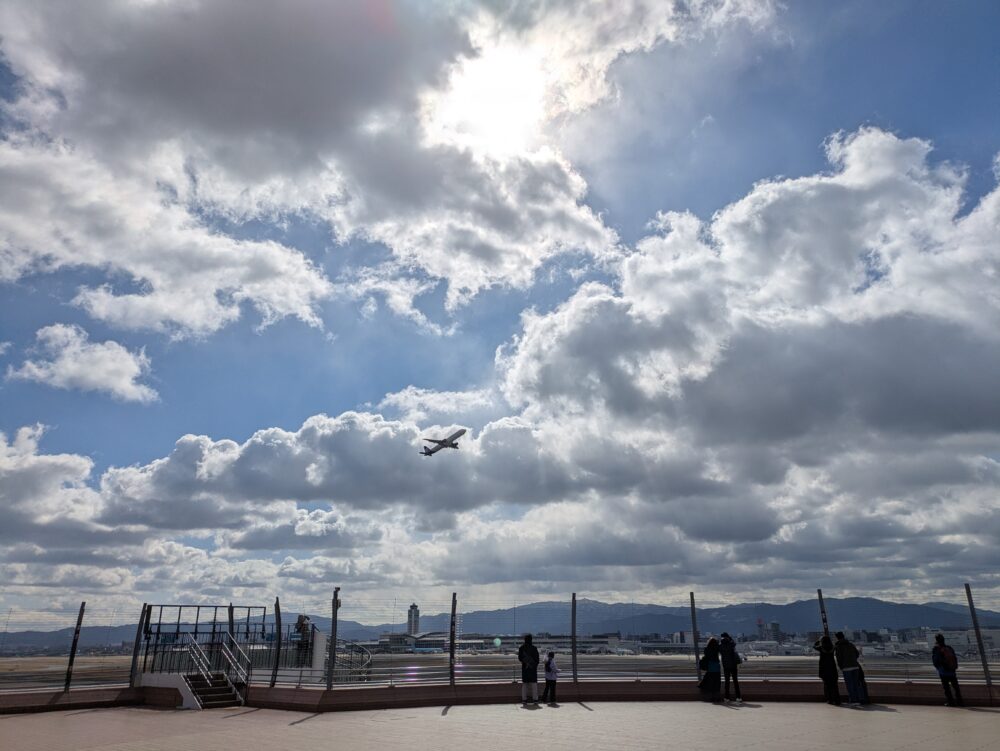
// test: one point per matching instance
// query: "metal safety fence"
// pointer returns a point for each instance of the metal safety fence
(366, 640)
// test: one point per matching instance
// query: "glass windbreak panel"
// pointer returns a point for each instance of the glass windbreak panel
(34, 648)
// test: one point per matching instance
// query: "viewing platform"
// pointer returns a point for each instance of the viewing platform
(692, 726)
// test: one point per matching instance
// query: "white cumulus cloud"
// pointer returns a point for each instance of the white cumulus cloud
(69, 360)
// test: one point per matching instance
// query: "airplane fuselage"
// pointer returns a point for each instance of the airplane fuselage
(443, 443)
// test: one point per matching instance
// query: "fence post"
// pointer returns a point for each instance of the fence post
(979, 642)
(822, 613)
(277, 641)
(135, 647)
(572, 622)
(694, 637)
(147, 630)
(232, 624)
(331, 663)
(451, 640)
(72, 649)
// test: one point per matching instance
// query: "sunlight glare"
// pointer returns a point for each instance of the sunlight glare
(494, 104)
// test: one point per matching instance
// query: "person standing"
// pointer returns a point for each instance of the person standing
(551, 676)
(946, 662)
(711, 664)
(847, 658)
(828, 670)
(527, 655)
(730, 666)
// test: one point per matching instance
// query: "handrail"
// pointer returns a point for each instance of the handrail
(241, 672)
(199, 658)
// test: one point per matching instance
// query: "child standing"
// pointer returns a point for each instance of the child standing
(551, 676)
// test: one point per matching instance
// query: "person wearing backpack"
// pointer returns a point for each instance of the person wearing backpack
(551, 676)
(946, 662)
(730, 666)
(527, 655)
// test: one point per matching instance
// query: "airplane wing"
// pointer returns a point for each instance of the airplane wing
(457, 434)
(440, 442)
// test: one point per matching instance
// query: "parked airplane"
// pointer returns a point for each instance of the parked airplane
(443, 443)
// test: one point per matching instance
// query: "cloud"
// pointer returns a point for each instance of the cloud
(793, 393)
(76, 363)
(880, 238)
(129, 156)
(419, 405)
(62, 209)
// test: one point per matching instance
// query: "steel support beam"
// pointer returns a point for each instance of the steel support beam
(277, 641)
(979, 643)
(694, 638)
(572, 625)
(822, 613)
(451, 640)
(143, 615)
(331, 663)
(72, 649)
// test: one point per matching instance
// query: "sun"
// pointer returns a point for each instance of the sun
(494, 104)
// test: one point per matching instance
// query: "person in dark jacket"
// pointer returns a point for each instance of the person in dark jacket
(828, 670)
(847, 658)
(946, 662)
(730, 665)
(711, 664)
(527, 655)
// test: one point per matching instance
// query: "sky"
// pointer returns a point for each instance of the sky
(712, 285)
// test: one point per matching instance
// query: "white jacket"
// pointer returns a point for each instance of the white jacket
(551, 671)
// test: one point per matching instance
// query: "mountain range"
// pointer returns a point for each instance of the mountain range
(594, 617)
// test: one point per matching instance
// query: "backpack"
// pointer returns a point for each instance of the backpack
(948, 659)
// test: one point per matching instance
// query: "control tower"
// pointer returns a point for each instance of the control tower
(413, 620)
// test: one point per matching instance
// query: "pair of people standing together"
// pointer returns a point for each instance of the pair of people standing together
(720, 660)
(528, 656)
(845, 655)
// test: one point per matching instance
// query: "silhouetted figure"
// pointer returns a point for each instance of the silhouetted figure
(946, 662)
(828, 670)
(730, 665)
(711, 683)
(847, 658)
(527, 654)
(303, 627)
(551, 676)
(865, 697)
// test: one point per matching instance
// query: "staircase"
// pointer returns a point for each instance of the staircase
(215, 693)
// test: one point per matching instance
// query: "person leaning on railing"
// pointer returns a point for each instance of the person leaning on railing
(946, 662)
(711, 683)
(847, 658)
(828, 670)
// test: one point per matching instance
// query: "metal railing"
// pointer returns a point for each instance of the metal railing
(246, 645)
(238, 668)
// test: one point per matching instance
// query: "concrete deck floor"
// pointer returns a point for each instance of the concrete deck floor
(646, 725)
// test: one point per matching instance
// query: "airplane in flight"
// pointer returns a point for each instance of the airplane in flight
(443, 443)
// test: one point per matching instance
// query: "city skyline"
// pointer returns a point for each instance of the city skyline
(712, 287)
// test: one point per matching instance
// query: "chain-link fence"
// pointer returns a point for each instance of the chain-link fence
(395, 640)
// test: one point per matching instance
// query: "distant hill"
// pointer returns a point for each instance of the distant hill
(595, 617)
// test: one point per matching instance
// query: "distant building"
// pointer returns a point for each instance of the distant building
(413, 620)
(774, 631)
